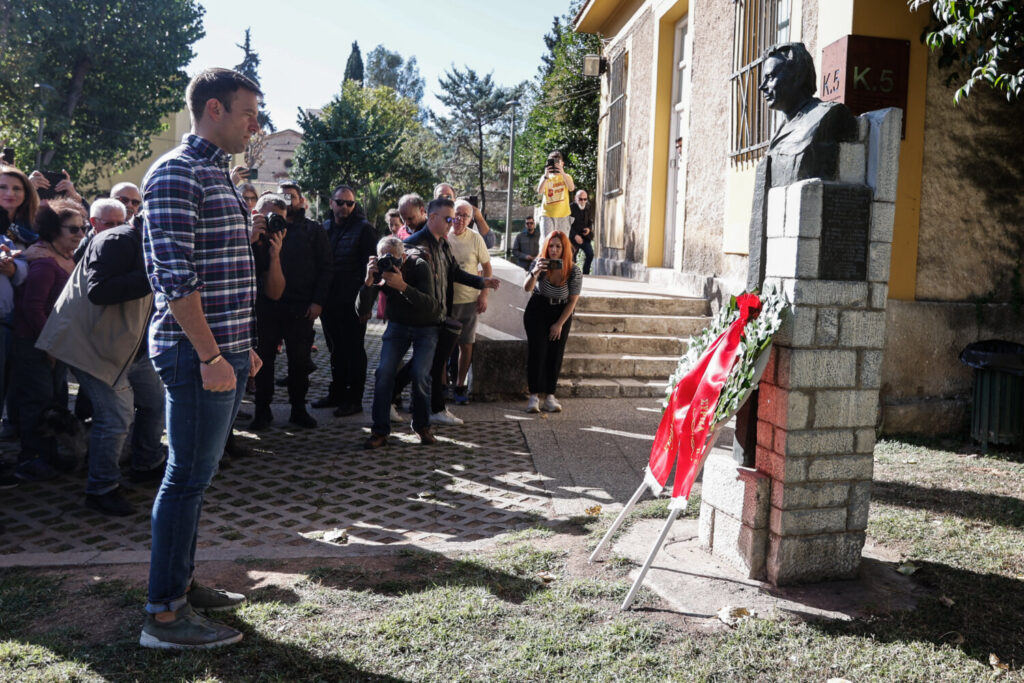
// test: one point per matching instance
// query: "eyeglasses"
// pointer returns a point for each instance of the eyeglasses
(73, 229)
(449, 219)
(464, 216)
(344, 202)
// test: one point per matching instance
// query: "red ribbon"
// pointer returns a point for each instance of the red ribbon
(682, 436)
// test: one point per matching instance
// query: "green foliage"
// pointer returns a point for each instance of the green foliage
(477, 108)
(985, 38)
(564, 112)
(249, 67)
(363, 135)
(384, 67)
(109, 71)
(354, 65)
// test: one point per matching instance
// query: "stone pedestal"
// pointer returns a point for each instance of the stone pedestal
(819, 395)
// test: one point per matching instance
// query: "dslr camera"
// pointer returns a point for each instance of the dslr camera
(276, 223)
(386, 264)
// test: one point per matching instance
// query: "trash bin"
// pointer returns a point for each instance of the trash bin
(997, 415)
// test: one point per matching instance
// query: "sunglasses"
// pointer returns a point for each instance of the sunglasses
(344, 202)
(73, 229)
(126, 200)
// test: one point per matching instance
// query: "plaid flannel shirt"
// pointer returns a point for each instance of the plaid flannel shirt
(196, 238)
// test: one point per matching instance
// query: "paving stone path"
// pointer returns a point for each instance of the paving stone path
(301, 488)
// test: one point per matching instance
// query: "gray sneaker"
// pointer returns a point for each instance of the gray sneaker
(212, 599)
(187, 631)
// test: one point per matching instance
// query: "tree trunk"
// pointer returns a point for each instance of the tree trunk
(78, 74)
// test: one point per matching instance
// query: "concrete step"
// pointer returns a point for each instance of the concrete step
(618, 365)
(638, 324)
(605, 387)
(650, 305)
(599, 342)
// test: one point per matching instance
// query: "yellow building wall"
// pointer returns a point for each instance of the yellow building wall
(175, 126)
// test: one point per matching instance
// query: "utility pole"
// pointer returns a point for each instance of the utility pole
(508, 202)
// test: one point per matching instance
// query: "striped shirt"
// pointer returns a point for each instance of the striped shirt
(572, 287)
(196, 238)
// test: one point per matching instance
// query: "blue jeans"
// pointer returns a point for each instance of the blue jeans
(138, 393)
(198, 425)
(396, 340)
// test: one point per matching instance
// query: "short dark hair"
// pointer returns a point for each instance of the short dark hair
(51, 216)
(219, 84)
(341, 187)
(554, 155)
(799, 64)
(392, 213)
(438, 203)
(412, 199)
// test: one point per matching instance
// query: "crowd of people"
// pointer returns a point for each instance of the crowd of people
(165, 303)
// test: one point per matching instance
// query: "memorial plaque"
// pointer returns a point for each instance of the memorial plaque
(845, 231)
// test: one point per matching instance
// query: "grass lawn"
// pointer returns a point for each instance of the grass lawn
(532, 609)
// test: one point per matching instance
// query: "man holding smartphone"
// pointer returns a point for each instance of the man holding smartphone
(554, 189)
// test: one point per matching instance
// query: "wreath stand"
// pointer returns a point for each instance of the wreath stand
(677, 505)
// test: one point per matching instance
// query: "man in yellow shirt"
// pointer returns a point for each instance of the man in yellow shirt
(554, 188)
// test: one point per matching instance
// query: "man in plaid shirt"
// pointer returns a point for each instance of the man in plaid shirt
(201, 340)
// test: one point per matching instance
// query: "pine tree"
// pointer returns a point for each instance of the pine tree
(249, 67)
(354, 66)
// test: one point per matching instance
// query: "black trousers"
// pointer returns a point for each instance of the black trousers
(276, 322)
(345, 337)
(544, 356)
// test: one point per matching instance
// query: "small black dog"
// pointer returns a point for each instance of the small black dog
(70, 433)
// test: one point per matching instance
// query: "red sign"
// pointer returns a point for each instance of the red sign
(866, 73)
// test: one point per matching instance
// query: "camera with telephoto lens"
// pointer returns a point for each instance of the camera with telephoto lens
(276, 223)
(385, 264)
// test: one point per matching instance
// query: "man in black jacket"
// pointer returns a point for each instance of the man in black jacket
(351, 242)
(414, 314)
(432, 242)
(304, 264)
(581, 234)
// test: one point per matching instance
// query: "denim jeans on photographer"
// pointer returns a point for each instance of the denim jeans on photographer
(138, 396)
(198, 425)
(396, 340)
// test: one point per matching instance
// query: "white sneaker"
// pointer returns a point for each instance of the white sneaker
(551, 405)
(533, 405)
(445, 417)
(395, 415)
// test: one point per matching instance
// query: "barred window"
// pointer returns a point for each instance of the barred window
(759, 24)
(616, 126)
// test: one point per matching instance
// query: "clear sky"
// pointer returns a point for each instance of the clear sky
(303, 45)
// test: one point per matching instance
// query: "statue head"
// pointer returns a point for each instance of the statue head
(788, 78)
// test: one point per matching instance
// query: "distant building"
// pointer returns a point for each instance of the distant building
(278, 158)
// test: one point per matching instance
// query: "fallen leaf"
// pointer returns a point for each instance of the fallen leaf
(907, 568)
(997, 663)
(947, 601)
(838, 680)
(594, 511)
(546, 577)
(426, 494)
(730, 616)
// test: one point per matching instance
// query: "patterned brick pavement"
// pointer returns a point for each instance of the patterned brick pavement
(301, 487)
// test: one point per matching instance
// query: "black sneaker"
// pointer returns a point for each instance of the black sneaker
(212, 599)
(8, 481)
(154, 474)
(301, 418)
(111, 503)
(262, 420)
(326, 402)
(187, 631)
(346, 409)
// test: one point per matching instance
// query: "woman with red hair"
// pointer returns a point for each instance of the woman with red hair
(556, 283)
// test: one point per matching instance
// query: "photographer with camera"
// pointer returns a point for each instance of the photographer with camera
(554, 188)
(556, 283)
(293, 277)
(414, 313)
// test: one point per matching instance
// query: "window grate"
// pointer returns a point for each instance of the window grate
(758, 24)
(616, 126)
